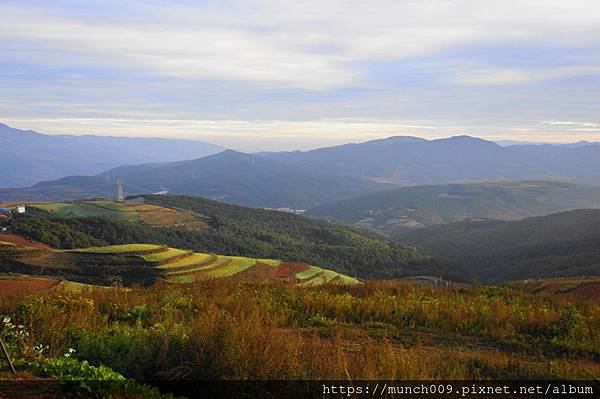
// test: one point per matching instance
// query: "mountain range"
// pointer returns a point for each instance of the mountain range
(416, 161)
(296, 179)
(228, 176)
(29, 157)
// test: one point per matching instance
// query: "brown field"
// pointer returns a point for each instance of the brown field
(22, 241)
(24, 285)
(260, 271)
(585, 287)
(159, 216)
(289, 269)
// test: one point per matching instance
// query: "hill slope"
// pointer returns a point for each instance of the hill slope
(399, 210)
(146, 264)
(414, 161)
(240, 231)
(229, 176)
(29, 157)
(558, 245)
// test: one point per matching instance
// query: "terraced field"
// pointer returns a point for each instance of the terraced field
(147, 263)
(131, 211)
(141, 249)
(180, 266)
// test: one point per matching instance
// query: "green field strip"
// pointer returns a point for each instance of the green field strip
(270, 262)
(7, 243)
(347, 280)
(51, 207)
(89, 209)
(170, 253)
(110, 205)
(121, 249)
(237, 265)
(198, 267)
(323, 278)
(308, 273)
(196, 259)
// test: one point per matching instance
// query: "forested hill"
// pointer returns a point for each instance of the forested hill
(558, 245)
(401, 209)
(236, 230)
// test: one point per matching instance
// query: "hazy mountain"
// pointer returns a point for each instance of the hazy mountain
(229, 176)
(557, 245)
(414, 161)
(395, 211)
(29, 157)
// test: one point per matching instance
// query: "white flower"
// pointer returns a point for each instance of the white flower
(6, 320)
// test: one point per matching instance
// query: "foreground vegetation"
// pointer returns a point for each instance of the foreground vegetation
(243, 330)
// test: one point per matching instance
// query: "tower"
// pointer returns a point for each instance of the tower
(120, 195)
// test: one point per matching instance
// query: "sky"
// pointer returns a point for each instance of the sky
(283, 75)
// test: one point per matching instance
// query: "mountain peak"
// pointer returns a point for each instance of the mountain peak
(396, 140)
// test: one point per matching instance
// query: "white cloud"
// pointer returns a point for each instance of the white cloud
(308, 44)
(492, 76)
(245, 135)
(571, 123)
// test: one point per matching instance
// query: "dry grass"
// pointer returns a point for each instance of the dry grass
(378, 330)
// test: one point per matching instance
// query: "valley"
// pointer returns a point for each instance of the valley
(406, 209)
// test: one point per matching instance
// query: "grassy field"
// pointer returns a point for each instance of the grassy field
(169, 254)
(117, 249)
(235, 265)
(192, 260)
(109, 209)
(257, 331)
(323, 278)
(152, 215)
(308, 273)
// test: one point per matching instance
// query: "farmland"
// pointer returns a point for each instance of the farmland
(128, 211)
(91, 208)
(149, 263)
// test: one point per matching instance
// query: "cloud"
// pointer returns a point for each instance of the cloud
(313, 45)
(492, 76)
(570, 123)
(245, 135)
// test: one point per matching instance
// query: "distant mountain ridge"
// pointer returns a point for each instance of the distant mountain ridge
(229, 176)
(30, 157)
(459, 159)
(300, 179)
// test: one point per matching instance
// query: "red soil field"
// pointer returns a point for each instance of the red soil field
(290, 268)
(259, 271)
(22, 241)
(23, 285)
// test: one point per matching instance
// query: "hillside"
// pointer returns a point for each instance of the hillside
(229, 176)
(403, 209)
(416, 161)
(240, 231)
(558, 245)
(146, 264)
(29, 157)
